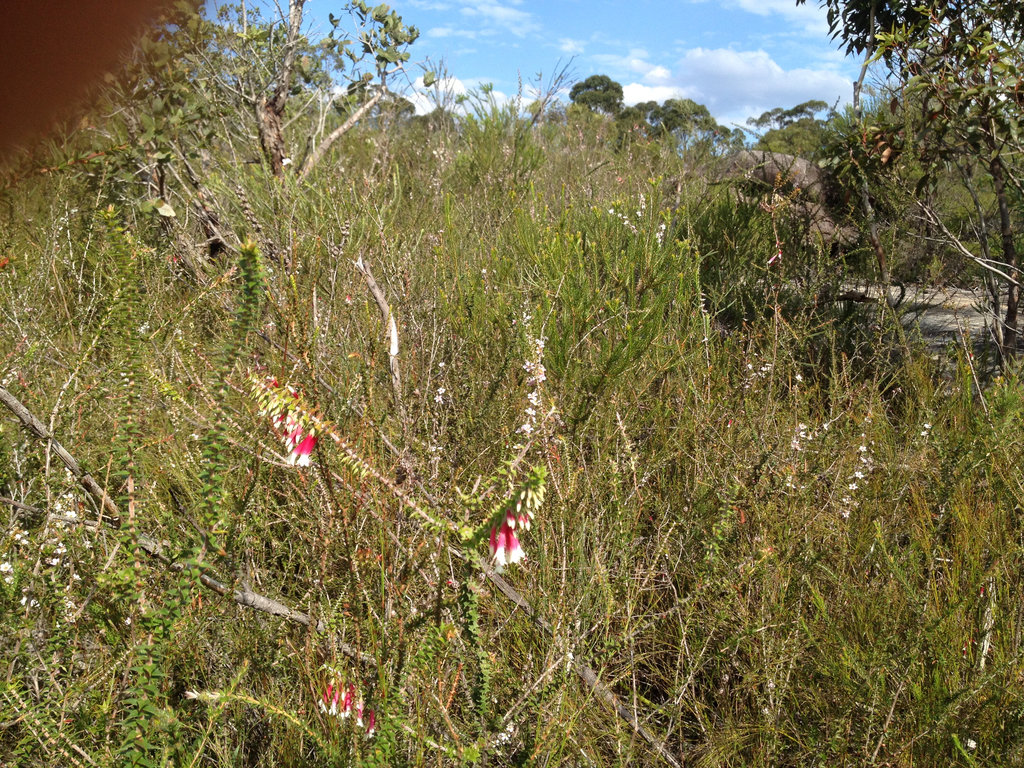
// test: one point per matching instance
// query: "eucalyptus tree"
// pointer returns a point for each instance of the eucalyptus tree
(599, 93)
(795, 131)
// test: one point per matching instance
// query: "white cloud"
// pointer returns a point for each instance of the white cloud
(657, 75)
(568, 45)
(634, 62)
(735, 85)
(634, 93)
(446, 92)
(502, 17)
(451, 32)
(809, 18)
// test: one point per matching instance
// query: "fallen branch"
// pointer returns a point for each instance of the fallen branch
(962, 249)
(36, 427)
(586, 673)
(155, 549)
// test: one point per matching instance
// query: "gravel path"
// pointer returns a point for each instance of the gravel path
(943, 316)
(947, 315)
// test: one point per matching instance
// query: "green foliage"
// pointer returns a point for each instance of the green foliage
(795, 131)
(689, 124)
(598, 92)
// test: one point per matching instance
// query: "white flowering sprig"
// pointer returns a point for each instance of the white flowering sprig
(536, 375)
(863, 468)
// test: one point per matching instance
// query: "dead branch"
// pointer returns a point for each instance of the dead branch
(36, 427)
(585, 672)
(250, 599)
(962, 249)
(154, 548)
(392, 331)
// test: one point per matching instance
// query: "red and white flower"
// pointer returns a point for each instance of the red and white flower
(505, 547)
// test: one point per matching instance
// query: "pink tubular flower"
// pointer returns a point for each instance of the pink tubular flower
(505, 547)
(522, 519)
(301, 453)
(359, 712)
(329, 703)
(371, 722)
(346, 706)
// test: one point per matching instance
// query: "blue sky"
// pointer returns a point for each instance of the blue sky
(738, 57)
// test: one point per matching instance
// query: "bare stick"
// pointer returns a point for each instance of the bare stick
(962, 249)
(585, 671)
(250, 599)
(36, 427)
(392, 330)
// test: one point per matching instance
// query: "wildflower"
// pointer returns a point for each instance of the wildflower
(302, 452)
(505, 547)
(329, 703)
(371, 722)
(359, 712)
(346, 704)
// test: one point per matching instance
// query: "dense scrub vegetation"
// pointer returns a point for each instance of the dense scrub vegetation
(765, 526)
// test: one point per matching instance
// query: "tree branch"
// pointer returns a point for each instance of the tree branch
(317, 154)
(953, 240)
(36, 427)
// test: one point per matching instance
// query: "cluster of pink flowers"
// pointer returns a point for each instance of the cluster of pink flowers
(282, 405)
(342, 700)
(505, 546)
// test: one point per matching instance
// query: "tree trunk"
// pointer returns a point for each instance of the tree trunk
(271, 127)
(270, 111)
(865, 192)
